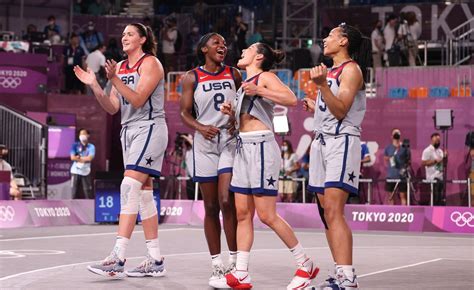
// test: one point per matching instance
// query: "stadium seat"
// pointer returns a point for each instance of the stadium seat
(398, 93)
(418, 93)
(462, 92)
(439, 92)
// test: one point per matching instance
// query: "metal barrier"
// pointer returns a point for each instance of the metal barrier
(26, 140)
(411, 181)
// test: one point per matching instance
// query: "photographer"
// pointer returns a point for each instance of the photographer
(397, 157)
(432, 158)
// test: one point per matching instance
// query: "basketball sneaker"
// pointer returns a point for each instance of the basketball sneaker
(305, 273)
(111, 267)
(238, 279)
(329, 283)
(217, 279)
(344, 282)
(148, 268)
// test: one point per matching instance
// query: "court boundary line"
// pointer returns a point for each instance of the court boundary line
(206, 252)
(399, 268)
(265, 231)
(85, 235)
(131, 258)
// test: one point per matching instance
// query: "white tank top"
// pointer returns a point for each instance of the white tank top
(153, 107)
(256, 106)
(210, 91)
(324, 120)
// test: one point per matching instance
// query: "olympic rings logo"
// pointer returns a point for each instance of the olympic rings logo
(463, 219)
(10, 82)
(7, 213)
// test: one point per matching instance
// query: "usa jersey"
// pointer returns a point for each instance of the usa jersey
(211, 90)
(153, 107)
(324, 120)
(256, 106)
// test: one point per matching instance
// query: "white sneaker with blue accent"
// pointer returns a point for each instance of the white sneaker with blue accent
(148, 268)
(346, 283)
(111, 267)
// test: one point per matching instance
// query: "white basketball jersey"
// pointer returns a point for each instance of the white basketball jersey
(324, 120)
(153, 107)
(211, 90)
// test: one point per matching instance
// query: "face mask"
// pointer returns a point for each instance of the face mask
(436, 145)
(83, 138)
(284, 148)
(396, 136)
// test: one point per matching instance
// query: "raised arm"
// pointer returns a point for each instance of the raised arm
(272, 88)
(151, 72)
(109, 102)
(351, 83)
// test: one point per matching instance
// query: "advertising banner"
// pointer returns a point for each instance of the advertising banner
(460, 220)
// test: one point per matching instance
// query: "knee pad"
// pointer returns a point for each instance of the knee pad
(321, 213)
(147, 205)
(129, 195)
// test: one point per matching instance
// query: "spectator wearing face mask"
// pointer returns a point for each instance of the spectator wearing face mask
(15, 192)
(396, 161)
(432, 158)
(82, 153)
(91, 38)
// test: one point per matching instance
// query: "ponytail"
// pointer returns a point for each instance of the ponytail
(359, 48)
(149, 47)
(270, 56)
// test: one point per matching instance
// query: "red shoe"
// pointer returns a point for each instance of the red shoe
(303, 276)
(239, 279)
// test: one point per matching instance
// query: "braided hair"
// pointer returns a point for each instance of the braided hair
(359, 48)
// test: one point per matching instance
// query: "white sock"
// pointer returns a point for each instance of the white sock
(216, 260)
(120, 247)
(232, 257)
(348, 271)
(153, 247)
(299, 254)
(242, 262)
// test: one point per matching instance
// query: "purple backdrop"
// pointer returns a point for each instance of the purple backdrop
(410, 77)
(22, 73)
(413, 117)
(14, 214)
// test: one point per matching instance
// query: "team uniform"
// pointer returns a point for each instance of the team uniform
(335, 152)
(216, 156)
(144, 133)
(144, 138)
(257, 161)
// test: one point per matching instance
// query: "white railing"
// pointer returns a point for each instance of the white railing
(26, 140)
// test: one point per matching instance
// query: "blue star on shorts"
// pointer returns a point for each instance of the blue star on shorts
(271, 181)
(351, 176)
(149, 161)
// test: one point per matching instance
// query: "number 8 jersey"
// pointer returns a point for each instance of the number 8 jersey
(211, 90)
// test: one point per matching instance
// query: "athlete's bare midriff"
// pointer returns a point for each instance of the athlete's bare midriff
(249, 123)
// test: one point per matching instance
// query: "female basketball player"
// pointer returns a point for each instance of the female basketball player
(205, 89)
(138, 92)
(335, 152)
(257, 163)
